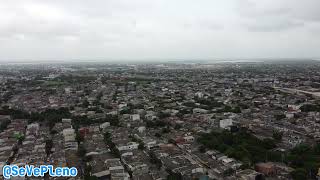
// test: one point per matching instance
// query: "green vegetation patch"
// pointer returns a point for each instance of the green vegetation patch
(240, 145)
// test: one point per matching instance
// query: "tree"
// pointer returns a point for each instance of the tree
(155, 124)
(114, 120)
(99, 96)
(79, 138)
(155, 160)
(228, 172)
(88, 177)
(202, 149)
(87, 171)
(81, 151)
(165, 130)
(35, 117)
(277, 135)
(107, 136)
(317, 148)
(174, 176)
(112, 146)
(301, 149)
(20, 137)
(279, 116)
(268, 143)
(227, 108)
(177, 126)
(240, 145)
(158, 135)
(237, 109)
(260, 177)
(163, 115)
(48, 146)
(53, 132)
(310, 108)
(4, 124)
(85, 103)
(299, 174)
(126, 110)
(141, 146)
(51, 116)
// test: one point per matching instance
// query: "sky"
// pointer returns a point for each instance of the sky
(42, 30)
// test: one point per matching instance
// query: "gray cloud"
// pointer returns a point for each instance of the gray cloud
(269, 25)
(278, 15)
(158, 29)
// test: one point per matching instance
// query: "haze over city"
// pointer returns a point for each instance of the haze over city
(159, 90)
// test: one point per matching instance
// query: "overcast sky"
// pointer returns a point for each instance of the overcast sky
(158, 29)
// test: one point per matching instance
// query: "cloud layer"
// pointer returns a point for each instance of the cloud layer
(158, 29)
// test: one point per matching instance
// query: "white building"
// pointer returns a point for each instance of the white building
(226, 123)
(104, 125)
(114, 164)
(69, 135)
(129, 146)
(199, 94)
(135, 117)
(289, 115)
(294, 107)
(116, 169)
(199, 170)
(32, 129)
(199, 111)
(141, 129)
(121, 106)
(65, 120)
(113, 113)
(150, 143)
(67, 90)
(150, 115)
(188, 138)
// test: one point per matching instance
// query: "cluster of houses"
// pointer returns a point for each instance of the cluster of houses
(9, 140)
(153, 116)
(32, 151)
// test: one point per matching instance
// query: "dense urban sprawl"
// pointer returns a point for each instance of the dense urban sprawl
(163, 121)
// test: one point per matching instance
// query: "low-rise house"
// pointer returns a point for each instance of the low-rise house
(69, 134)
(248, 174)
(128, 146)
(226, 123)
(135, 117)
(105, 125)
(116, 169)
(199, 111)
(188, 139)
